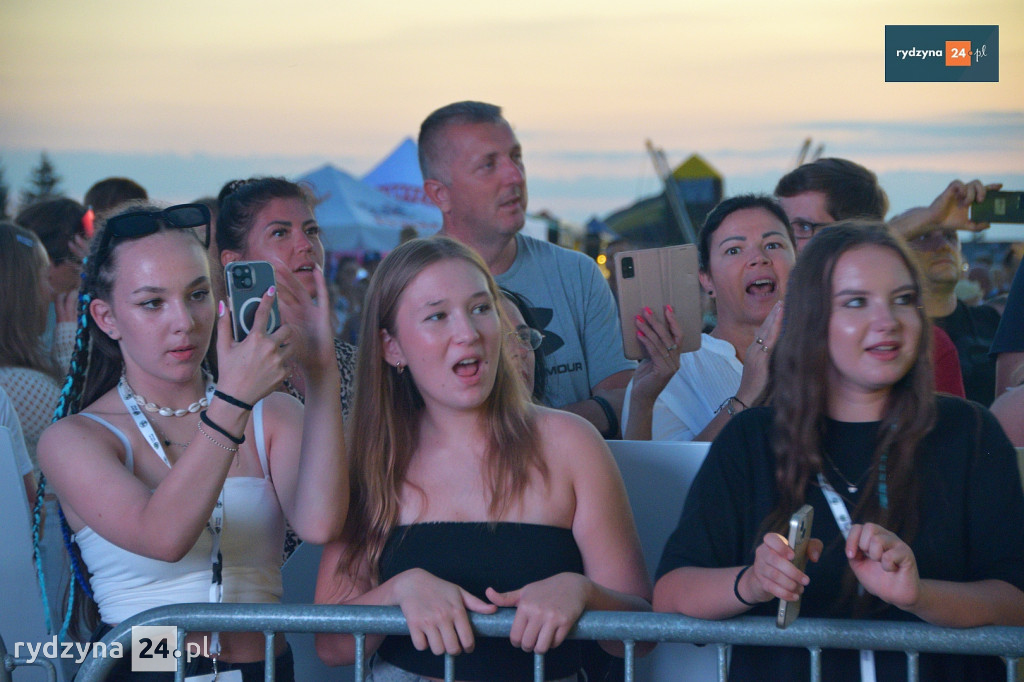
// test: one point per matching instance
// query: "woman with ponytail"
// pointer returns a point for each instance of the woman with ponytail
(176, 482)
(918, 506)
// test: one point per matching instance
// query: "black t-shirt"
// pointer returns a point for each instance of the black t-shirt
(972, 329)
(971, 528)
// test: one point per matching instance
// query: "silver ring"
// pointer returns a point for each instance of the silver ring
(765, 348)
(673, 347)
(759, 341)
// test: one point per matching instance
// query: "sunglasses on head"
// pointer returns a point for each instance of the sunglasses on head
(143, 223)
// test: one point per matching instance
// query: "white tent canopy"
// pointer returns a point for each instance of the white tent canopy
(399, 176)
(354, 215)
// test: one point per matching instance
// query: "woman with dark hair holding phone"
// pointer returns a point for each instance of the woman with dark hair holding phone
(466, 495)
(272, 219)
(177, 488)
(745, 249)
(918, 506)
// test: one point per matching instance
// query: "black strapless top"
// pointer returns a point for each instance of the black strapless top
(475, 556)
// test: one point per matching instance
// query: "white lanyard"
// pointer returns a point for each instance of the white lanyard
(216, 522)
(843, 520)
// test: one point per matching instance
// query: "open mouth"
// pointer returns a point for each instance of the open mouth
(885, 351)
(761, 287)
(469, 367)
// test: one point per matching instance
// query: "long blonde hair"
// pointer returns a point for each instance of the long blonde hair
(388, 409)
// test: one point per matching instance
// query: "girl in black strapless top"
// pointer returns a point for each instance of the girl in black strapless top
(465, 496)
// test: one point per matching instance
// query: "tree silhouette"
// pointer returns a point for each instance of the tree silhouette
(44, 183)
(4, 193)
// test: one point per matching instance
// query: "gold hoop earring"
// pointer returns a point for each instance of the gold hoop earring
(399, 367)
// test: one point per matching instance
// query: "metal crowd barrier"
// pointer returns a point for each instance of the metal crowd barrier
(8, 663)
(813, 634)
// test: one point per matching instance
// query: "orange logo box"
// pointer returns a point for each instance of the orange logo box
(958, 53)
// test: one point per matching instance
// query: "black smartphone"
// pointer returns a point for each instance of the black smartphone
(247, 281)
(799, 536)
(998, 207)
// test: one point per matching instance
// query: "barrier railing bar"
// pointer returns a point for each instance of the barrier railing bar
(8, 663)
(913, 669)
(538, 667)
(630, 659)
(360, 656)
(449, 668)
(269, 658)
(815, 663)
(723, 662)
(179, 669)
(1011, 669)
(597, 625)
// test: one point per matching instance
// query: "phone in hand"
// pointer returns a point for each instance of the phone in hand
(998, 207)
(652, 278)
(247, 281)
(799, 537)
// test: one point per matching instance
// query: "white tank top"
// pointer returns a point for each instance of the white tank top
(252, 539)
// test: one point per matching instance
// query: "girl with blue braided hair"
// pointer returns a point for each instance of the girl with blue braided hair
(176, 488)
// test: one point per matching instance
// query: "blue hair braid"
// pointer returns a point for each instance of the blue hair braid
(37, 521)
(67, 403)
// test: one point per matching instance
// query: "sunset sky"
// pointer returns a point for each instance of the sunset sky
(183, 96)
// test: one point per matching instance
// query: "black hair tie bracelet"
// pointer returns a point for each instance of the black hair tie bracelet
(231, 400)
(209, 422)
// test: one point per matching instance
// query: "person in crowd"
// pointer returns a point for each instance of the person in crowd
(108, 194)
(745, 249)
(219, 286)
(272, 219)
(918, 505)
(62, 226)
(465, 495)
(347, 294)
(473, 171)
(931, 232)
(22, 464)
(822, 192)
(177, 488)
(1008, 343)
(525, 340)
(29, 372)
(1009, 410)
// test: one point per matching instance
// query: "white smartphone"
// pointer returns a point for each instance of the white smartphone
(799, 536)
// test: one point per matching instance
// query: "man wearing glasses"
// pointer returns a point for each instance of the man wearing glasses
(931, 232)
(826, 191)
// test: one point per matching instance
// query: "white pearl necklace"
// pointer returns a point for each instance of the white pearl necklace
(165, 411)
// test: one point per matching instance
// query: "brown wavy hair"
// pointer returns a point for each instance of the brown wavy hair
(388, 409)
(799, 396)
(23, 307)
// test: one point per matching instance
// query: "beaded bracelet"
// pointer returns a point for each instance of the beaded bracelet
(231, 400)
(736, 587)
(205, 419)
(214, 440)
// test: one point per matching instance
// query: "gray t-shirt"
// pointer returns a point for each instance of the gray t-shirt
(575, 309)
